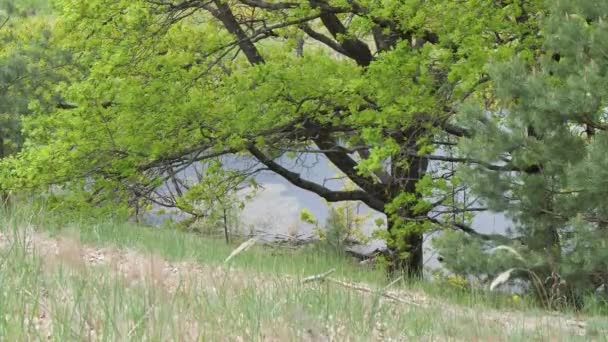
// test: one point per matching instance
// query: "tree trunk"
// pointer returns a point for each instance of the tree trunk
(406, 171)
(4, 195)
(225, 219)
(414, 265)
(410, 264)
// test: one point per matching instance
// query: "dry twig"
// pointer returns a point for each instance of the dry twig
(359, 287)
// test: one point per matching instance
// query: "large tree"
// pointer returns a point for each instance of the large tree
(371, 85)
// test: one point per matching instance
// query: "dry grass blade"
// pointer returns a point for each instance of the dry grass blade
(392, 283)
(139, 323)
(510, 250)
(501, 278)
(243, 247)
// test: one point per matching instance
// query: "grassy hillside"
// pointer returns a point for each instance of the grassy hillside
(108, 281)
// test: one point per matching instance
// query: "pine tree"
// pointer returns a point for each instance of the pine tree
(542, 150)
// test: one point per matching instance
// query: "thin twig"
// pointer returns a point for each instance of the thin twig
(318, 277)
(365, 289)
(5, 21)
(358, 287)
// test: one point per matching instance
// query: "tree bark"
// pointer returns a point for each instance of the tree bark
(4, 195)
(414, 263)
(406, 171)
(410, 265)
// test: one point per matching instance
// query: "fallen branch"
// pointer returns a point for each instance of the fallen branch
(318, 277)
(358, 287)
(365, 289)
(363, 256)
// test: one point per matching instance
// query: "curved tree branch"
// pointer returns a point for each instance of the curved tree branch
(328, 194)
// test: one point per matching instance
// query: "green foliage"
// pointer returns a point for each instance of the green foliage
(32, 71)
(467, 256)
(162, 87)
(123, 74)
(103, 103)
(344, 225)
(24, 8)
(307, 216)
(546, 136)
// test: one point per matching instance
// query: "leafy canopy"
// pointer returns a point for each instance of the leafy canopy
(372, 85)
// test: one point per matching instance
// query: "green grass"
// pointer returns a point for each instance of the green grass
(177, 245)
(251, 300)
(174, 244)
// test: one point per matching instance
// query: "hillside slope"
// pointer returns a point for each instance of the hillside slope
(61, 288)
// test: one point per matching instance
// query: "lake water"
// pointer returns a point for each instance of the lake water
(275, 210)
